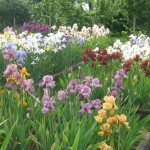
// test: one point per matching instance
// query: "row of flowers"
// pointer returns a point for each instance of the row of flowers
(85, 33)
(137, 45)
(16, 79)
(38, 43)
(104, 58)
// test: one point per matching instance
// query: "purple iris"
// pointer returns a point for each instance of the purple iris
(21, 55)
(80, 40)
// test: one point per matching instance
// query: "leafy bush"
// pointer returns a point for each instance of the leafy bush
(10, 9)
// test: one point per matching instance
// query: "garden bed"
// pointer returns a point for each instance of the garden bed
(98, 97)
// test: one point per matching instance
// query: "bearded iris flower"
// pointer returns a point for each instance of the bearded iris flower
(21, 55)
(104, 146)
(24, 72)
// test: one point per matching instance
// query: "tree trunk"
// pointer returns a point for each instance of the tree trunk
(134, 23)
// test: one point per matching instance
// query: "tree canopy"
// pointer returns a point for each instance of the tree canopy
(117, 15)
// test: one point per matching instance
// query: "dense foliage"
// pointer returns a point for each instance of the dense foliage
(13, 12)
(117, 15)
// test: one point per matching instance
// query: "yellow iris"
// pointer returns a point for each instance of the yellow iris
(109, 99)
(109, 103)
(112, 120)
(105, 129)
(107, 106)
(100, 116)
(24, 72)
(104, 146)
(122, 119)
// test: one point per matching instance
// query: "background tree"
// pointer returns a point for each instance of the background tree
(138, 12)
(10, 9)
(117, 15)
(59, 11)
